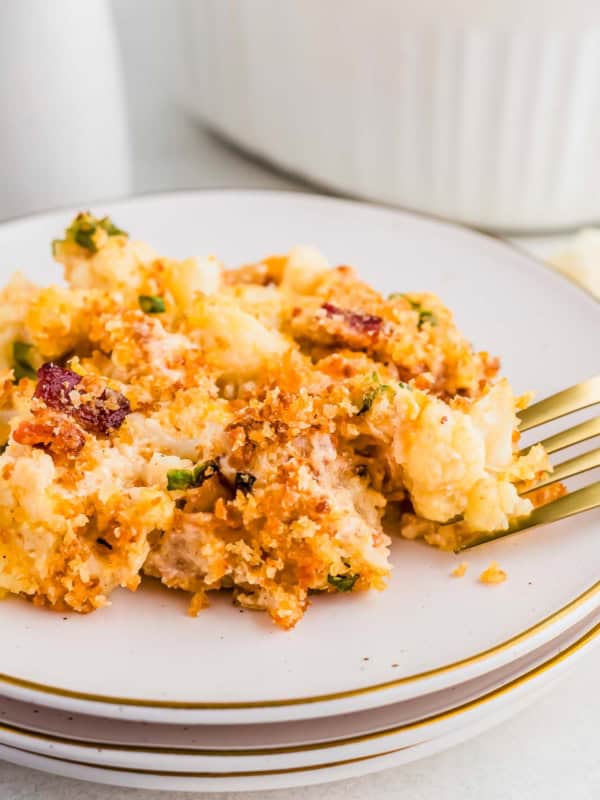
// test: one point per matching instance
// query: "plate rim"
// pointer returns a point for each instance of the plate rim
(564, 646)
(507, 240)
(592, 592)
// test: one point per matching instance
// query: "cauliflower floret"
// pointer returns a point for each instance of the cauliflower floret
(14, 299)
(263, 302)
(182, 280)
(204, 276)
(118, 265)
(493, 504)
(532, 464)
(116, 466)
(98, 255)
(56, 321)
(495, 418)
(445, 458)
(71, 548)
(303, 268)
(32, 474)
(236, 342)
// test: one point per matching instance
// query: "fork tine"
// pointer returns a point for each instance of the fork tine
(566, 506)
(575, 435)
(576, 398)
(569, 468)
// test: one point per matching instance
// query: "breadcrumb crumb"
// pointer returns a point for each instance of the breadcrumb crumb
(460, 570)
(493, 574)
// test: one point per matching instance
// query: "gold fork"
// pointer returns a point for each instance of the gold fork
(552, 408)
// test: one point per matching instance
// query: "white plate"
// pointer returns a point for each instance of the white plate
(489, 712)
(261, 781)
(227, 667)
(107, 742)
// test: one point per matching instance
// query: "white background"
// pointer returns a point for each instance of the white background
(551, 750)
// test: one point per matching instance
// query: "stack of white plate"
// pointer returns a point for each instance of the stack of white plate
(142, 695)
(142, 707)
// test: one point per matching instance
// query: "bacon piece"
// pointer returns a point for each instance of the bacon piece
(107, 412)
(55, 384)
(51, 431)
(367, 324)
(102, 414)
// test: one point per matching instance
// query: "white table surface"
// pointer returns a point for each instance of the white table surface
(552, 749)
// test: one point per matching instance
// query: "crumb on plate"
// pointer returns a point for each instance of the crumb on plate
(493, 574)
(460, 570)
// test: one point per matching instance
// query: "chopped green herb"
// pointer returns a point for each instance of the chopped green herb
(110, 227)
(83, 229)
(367, 400)
(179, 479)
(372, 393)
(394, 295)
(84, 236)
(244, 481)
(404, 385)
(55, 243)
(22, 366)
(416, 306)
(205, 471)
(343, 583)
(151, 303)
(426, 316)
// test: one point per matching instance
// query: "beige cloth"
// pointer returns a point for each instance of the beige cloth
(580, 259)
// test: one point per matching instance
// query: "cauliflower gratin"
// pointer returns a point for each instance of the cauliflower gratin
(242, 429)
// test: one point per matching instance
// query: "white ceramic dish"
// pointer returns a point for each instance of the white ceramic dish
(481, 112)
(285, 745)
(517, 697)
(546, 330)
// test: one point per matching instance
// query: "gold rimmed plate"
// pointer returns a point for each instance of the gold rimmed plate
(426, 632)
(142, 745)
(224, 772)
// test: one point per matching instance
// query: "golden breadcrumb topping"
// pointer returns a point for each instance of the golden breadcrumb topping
(244, 429)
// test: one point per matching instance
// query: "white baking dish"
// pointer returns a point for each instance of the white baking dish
(484, 112)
